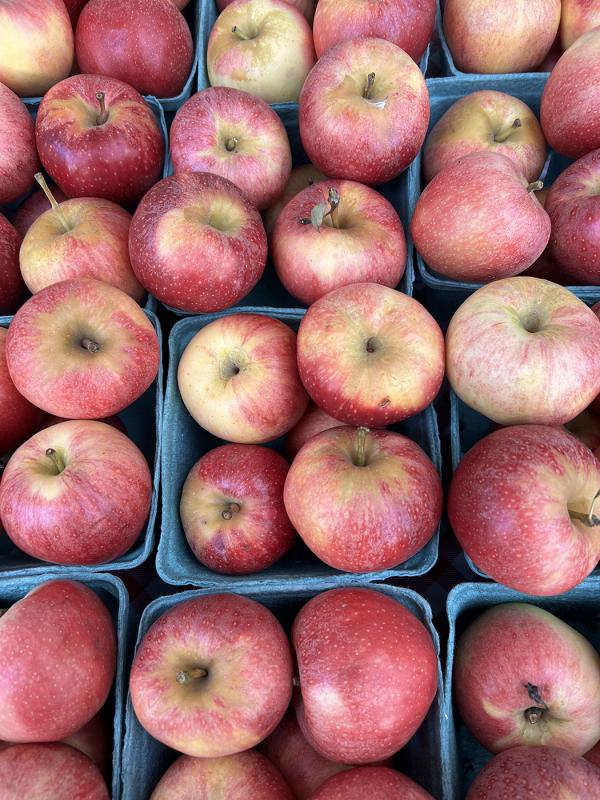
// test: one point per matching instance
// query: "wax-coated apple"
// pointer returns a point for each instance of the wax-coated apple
(479, 220)
(212, 676)
(35, 205)
(232, 509)
(306, 7)
(375, 783)
(236, 135)
(59, 636)
(95, 740)
(86, 237)
(300, 177)
(524, 350)
(264, 47)
(524, 677)
(375, 498)
(511, 36)
(19, 418)
(18, 155)
(82, 349)
(335, 233)
(586, 427)
(149, 47)
(368, 674)
(12, 287)
(364, 111)
(594, 755)
(486, 121)
(525, 772)
(314, 421)
(36, 45)
(369, 355)
(97, 138)
(570, 109)
(239, 379)
(576, 18)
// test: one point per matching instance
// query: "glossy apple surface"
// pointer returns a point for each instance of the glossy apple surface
(306, 7)
(35, 205)
(19, 417)
(18, 155)
(314, 421)
(375, 783)
(300, 178)
(12, 287)
(576, 18)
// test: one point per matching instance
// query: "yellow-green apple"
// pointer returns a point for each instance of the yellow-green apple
(524, 350)
(486, 121)
(522, 504)
(314, 421)
(524, 677)
(197, 243)
(62, 637)
(97, 138)
(354, 343)
(82, 349)
(368, 674)
(232, 509)
(364, 111)
(593, 755)
(34, 206)
(86, 237)
(18, 154)
(12, 287)
(239, 379)
(212, 676)
(479, 219)
(336, 233)
(576, 18)
(375, 498)
(300, 177)
(524, 772)
(236, 135)
(150, 47)
(511, 36)
(264, 47)
(36, 45)
(19, 418)
(570, 109)
(306, 7)
(545, 266)
(375, 783)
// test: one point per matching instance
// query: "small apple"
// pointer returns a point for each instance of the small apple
(12, 287)
(576, 18)
(35, 205)
(300, 178)
(19, 418)
(314, 421)
(375, 783)
(18, 155)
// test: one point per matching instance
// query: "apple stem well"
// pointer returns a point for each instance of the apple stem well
(589, 519)
(189, 675)
(502, 136)
(230, 510)
(360, 456)
(56, 460)
(103, 115)
(52, 200)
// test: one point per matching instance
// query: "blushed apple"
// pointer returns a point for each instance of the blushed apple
(545, 266)
(18, 155)
(19, 417)
(305, 7)
(576, 18)
(314, 421)
(376, 783)
(300, 178)
(34, 206)
(12, 288)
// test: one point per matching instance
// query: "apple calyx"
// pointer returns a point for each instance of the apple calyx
(240, 34)
(230, 510)
(535, 713)
(103, 115)
(360, 456)
(536, 186)
(589, 519)
(502, 136)
(90, 345)
(52, 200)
(56, 460)
(320, 211)
(231, 143)
(189, 675)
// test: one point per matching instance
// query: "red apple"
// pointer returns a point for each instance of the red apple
(82, 349)
(60, 637)
(115, 421)
(212, 676)
(594, 755)
(97, 138)
(35, 205)
(335, 233)
(238, 378)
(300, 177)
(12, 287)
(18, 155)
(150, 47)
(375, 783)
(354, 342)
(19, 418)
(95, 740)
(364, 111)
(306, 7)
(576, 18)
(314, 421)
(368, 674)
(546, 267)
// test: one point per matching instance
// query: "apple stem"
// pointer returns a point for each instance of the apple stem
(503, 135)
(230, 510)
(52, 200)
(588, 519)
(188, 675)
(90, 345)
(535, 186)
(240, 33)
(103, 115)
(56, 460)
(360, 456)
(367, 94)
(231, 144)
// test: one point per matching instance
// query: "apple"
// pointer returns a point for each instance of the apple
(212, 676)
(18, 155)
(368, 674)
(114, 421)
(264, 47)
(586, 427)
(95, 740)
(594, 755)
(552, 56)
(524, 350)
(510, 36)
(375, 783)
(149, 47)
(82, 349)
(59, 636)
(34, 206)
(355, 342)
(239, 379)
(12, 287)
(232, 509)
(237, 136)
(19, 417)
(314, 421)
(570, 108)
(364, 111)
(300, 178)
(306, 7)
(97, 138)
(335, 233)
(576, 18)
(545, 266)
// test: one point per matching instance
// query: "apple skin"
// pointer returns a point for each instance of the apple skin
(118, 160)
(300, 178)
(362, 242)
(576, 18)
(34, 206)
(354, 341)
(249, 662)
(12, 287)
(511, 36)
(305, 7)
(314, 421)
(18, 155)
(19, 417)
(239, 379)
(95, 740)
(546, 267)
(348, 136)
(232, 509)
(366, 512)
(570, 107)
(368, 674)
(516, 657)
(376, 783)
(524, 350)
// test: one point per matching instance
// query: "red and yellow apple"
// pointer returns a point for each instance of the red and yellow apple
(18, 155)
(314, 421)
(375, 783)
(34, 206)
(576, 18)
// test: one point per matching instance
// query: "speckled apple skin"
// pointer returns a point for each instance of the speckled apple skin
(368, 674)
(35, 205)
(375, 783)
(59, 636)
(314, 421)
(18, 155)
(12, 287)
(19, 417)
(576, 18)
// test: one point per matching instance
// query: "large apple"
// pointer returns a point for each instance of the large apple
(375, 783)
(368, 674)
(364, 111)
(19, 418)
(212, 676)
(576, 18)
(524, 350)
(34, 206)
(239, 379)
(82, 349)
(522, 504)
(354, 343)
(196, 243)
(300, 178)
(18, 155)
(306, 7)
(97, 138)
(335, 233)
(12, 287)
(314, 421)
